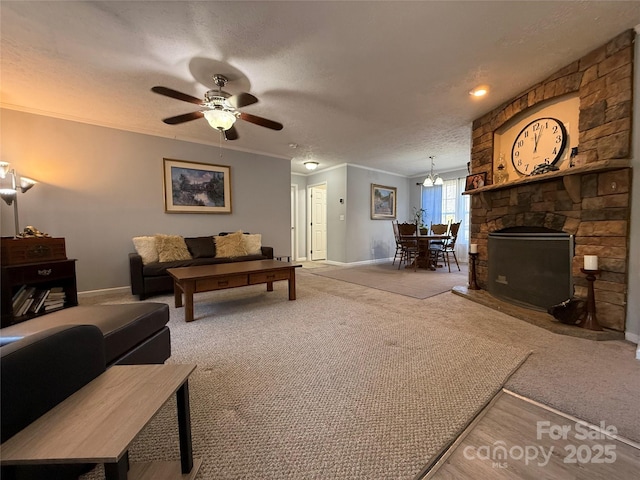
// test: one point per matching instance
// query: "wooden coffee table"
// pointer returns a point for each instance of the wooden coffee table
(98, 423)
(206, 278)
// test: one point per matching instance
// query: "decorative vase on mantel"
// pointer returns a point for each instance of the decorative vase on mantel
(501, 175)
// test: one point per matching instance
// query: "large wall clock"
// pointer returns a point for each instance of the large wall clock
(541, 141)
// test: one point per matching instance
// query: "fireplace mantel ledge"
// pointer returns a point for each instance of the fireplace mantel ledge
(570, 178)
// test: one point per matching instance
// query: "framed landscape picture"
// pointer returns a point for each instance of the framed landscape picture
(192, 187)
(383, 202)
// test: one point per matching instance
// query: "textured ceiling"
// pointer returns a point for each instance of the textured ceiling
(379, 84)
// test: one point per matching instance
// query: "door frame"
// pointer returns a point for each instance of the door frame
(294, 226)
(310, 219)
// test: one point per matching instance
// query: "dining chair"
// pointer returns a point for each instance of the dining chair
(449, 247)
(408, 234)
(438, 229)
(396, 236)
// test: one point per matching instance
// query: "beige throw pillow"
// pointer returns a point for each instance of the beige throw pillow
(252, 244)
(171, 248)
(146, 248)
(231, 245)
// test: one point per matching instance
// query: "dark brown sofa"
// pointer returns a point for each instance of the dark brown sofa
(133, 333)
(47, 358)
(153, 279)
(38, 372)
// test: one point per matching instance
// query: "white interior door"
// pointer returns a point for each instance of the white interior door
(319, 222)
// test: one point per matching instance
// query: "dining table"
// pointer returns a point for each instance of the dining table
(424, 260)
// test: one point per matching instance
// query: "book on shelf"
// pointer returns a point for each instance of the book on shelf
(32, 300)
(18, 297)
(39, 298)
(26, 302)
(53, 306)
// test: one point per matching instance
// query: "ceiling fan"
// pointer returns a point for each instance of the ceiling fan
(221, 109)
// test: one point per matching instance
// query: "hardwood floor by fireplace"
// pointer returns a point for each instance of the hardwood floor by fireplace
(515, 437)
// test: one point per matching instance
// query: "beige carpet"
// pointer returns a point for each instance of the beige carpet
(323, 387)
(420, 284)
(593, 380)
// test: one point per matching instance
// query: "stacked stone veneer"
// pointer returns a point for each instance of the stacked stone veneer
(599, 220)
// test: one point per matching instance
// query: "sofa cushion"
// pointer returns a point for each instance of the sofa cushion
(159, 269)
(252, 244)
(146, 248)
(124, 325)
(201, 247)
(231, 245)
(171, 247)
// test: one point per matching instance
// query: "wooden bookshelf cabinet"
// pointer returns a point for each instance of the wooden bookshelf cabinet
(43, 275)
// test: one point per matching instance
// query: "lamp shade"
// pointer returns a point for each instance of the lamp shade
(8, 195)
(26, 183)
(220, 119)
(438, 180)
(428, 182)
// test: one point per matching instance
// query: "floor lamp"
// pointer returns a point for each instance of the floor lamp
(9, 192)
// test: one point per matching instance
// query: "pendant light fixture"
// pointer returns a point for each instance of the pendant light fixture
(432, 179)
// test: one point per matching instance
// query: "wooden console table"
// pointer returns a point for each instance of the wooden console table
(98, 423)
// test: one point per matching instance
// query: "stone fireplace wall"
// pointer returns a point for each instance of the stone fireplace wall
(593, 203)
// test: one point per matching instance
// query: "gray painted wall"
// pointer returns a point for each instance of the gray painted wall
(356, 237)
(301, 220)
(99, 187)
(369, 239)
(336, 181)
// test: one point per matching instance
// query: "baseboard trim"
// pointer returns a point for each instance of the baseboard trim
(89, 293)
(355, 264)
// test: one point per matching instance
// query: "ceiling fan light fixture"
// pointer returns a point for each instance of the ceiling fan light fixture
(311, 165)
(220, 119)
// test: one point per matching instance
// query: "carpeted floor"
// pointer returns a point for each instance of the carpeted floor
(591, 380)
(420, 284)
(322, 387)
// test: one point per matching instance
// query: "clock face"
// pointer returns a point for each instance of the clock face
(541, 141)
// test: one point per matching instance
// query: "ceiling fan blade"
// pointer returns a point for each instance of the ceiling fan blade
(187, 117)
(231, 134)
(263, 122)
(242, 100)
(169, 92)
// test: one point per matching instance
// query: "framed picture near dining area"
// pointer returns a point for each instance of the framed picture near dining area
(476, 180)
(383, 202)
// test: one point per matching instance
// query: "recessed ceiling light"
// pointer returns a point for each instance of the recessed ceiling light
(479, 91)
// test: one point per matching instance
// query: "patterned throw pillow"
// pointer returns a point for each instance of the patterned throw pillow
(252, 243)
(231, 245)
(146, 248)
(171, 248)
